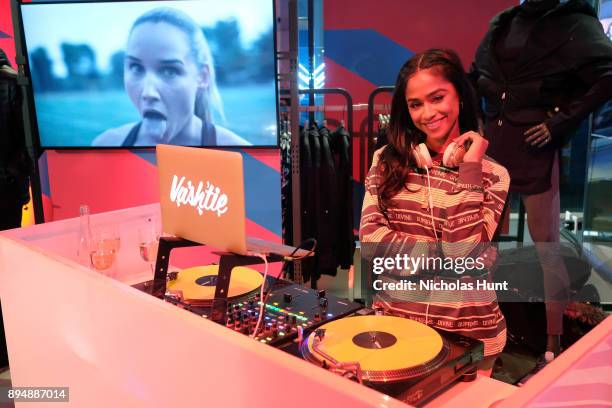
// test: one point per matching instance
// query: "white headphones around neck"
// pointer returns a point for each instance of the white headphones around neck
(452, 157)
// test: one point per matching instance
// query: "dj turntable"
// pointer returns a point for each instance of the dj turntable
(196, 286)
(400, 357)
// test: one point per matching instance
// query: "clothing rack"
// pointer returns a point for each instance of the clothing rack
(333, 91)
(349, 126)
(346, 107)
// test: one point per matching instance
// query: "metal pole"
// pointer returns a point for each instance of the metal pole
(295, 135)
(311, 52)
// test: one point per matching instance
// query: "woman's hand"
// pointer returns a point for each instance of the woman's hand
(477, 148)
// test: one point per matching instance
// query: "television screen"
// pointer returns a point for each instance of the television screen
(139, 73)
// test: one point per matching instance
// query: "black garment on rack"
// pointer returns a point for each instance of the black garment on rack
(310, 268)
(307, 192)
(326, 200)
(327, 219)
(381, 138)
(345, 237)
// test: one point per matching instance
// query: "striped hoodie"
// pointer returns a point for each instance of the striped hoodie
(467, 206)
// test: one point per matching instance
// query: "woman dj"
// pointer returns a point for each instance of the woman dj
(420, 193)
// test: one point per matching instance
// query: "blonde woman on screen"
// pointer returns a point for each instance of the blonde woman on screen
(169, 76)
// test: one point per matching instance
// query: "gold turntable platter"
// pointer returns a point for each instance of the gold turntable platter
(386, 347)
(197, 285)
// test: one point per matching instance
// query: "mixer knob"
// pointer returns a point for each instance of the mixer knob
(323, 302)
(321, 293)
(317, 317)
(293, 320)
(287, 297)
(251, 303)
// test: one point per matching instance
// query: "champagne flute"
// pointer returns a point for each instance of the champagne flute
(105, 243)
(102, 258)
(148, 242)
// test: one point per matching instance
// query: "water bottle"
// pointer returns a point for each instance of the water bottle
(84, 236)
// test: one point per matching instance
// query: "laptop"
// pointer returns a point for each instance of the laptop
(202, 200)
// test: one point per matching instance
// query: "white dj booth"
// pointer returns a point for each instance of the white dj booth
(113, 345)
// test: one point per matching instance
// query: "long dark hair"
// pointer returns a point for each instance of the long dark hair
(396, 158)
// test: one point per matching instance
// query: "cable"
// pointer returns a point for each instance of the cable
(310, 251)
(430, 202)
(261, 295)
(264, 296)
(433, 225)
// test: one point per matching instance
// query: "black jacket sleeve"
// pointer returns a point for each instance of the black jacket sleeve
(589, 56)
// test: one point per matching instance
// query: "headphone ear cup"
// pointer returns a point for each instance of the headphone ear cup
(421, 156)
(448, 159)
(453, 155)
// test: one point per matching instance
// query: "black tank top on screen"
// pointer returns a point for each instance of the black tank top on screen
(209, 135)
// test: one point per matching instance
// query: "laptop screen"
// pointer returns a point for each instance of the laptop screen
(202, 196)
